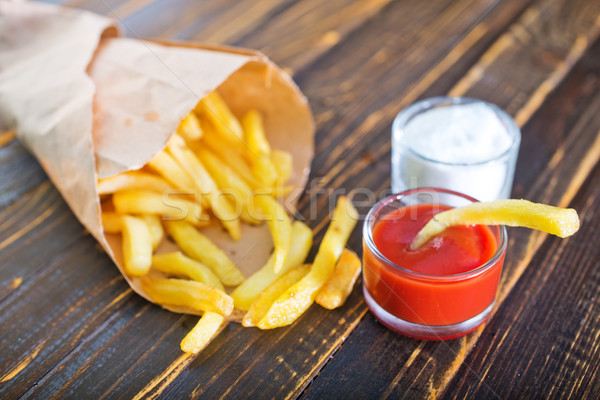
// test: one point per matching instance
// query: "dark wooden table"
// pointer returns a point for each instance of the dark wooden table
(71, 327)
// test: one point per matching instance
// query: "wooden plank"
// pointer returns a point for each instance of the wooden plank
(44, 318)
(551, 321)
(117, 9)
(229, 23)
(355, 101)
(276, 27)
(291, 45)
(225, 363)
(267, 355)
(20, 173)
(33, 232)
(426, 367)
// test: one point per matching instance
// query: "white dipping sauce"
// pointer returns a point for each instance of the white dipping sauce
(461, 147)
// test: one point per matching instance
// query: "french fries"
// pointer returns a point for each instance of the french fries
(142, 202)
(190, 128)
(191, 294)
(168, 168)
(214, 108)
(283, 162)
(137, 245)
(133, 180)
(340, 284)
(229, 181)
(205, 185)
(279, 225)
(156, 229)
(265, 299)
(178, 264)
(111, 221)
(205, 330)
(244, 294)
(216, 168)
(200, 248)
(298, 298)
(258, 149)
(558, 221)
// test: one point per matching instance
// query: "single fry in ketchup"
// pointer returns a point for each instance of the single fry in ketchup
(557, 221)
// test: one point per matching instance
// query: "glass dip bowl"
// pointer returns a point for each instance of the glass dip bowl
(426, 305)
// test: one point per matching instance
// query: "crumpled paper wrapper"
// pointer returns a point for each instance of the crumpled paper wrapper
(88, 104)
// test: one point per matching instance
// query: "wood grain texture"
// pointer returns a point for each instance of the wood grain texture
(235, 349)
(555, 183)
(70, 326)
(20, 173)
(551, 322)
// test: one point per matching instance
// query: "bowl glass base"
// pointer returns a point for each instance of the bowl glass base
(427, 332)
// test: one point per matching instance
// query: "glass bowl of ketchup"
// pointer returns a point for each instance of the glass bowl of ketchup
(444, 289)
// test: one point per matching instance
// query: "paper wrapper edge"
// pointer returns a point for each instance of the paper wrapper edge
(289, 126)
(60, 133)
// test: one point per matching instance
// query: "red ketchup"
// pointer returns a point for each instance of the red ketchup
(451, 279)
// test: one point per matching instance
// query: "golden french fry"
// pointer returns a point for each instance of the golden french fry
(265, 299)
(236, 161)
(206, 186)
(137, 246)
(244, 294)
(188, 161)
(178, 264)
(225, 177)
(280, 226)
(140, 202)
(156, 229)
(258, 149)
(194, 295)
(283, 164)
(298, 298)
(263, 169)
(111, 221)
(255, 134)
(200, 248)
(133, 180)
(190, 128)
(557, 221)
(201, 335)
(338, 287)
(230, 182)
(234, 157)
(168, 168)
(214, 108)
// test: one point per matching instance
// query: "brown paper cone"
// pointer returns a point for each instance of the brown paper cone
(89, 104)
